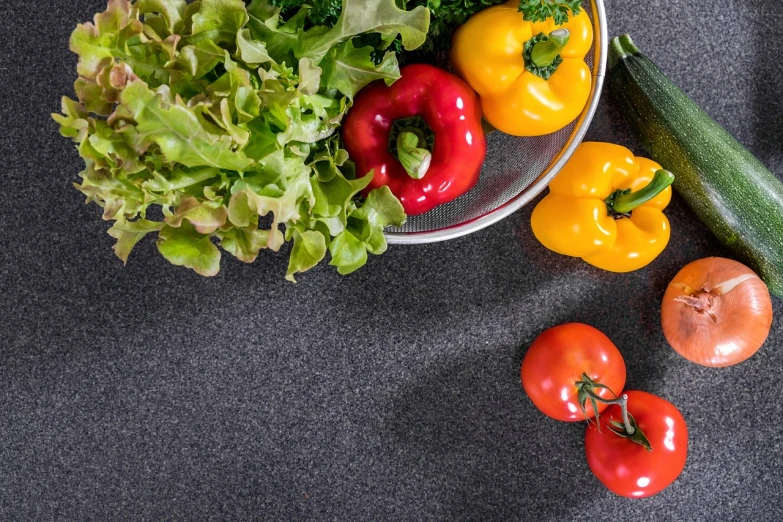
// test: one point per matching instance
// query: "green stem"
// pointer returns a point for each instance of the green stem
(545, 52)
(628, 428)
(620, 48)
(621, 401)
(414, 158)
(624, 201)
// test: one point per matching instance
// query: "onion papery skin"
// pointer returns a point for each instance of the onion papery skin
(716, 312)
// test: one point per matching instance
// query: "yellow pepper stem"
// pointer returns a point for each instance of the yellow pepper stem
(542, 52)
(414, 158)
(622, 202)
(546, 51)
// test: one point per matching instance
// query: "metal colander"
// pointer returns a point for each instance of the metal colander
(516, 169)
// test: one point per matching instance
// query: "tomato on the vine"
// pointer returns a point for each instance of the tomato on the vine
(627, 468)
(557, 360)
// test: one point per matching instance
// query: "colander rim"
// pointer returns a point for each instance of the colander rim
(532, 191)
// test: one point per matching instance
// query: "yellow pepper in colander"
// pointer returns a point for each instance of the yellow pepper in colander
(531, 76)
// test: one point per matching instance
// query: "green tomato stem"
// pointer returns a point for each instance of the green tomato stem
(621, 401)
(414, 158)
(622, 202)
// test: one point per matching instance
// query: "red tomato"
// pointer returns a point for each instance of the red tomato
(556, 361)
(627, 468)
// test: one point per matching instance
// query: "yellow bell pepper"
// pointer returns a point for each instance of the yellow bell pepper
(531, 76)
(606, 206)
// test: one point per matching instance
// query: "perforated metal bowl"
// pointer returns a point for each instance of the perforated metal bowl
(516, 169)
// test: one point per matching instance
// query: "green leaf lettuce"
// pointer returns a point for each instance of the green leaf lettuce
(225, 118)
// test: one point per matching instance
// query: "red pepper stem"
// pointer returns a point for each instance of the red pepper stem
(545, 52)
(621, 401)
(411, 152)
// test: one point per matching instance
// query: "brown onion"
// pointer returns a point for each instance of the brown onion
(716, 312)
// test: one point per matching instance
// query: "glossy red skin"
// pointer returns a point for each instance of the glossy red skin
(556, 361)
(450, 108)
(627, 468)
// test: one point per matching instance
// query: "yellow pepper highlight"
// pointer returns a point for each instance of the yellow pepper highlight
(488, 52)
(574, 219)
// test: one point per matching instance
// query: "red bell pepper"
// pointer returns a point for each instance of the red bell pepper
(420, 179)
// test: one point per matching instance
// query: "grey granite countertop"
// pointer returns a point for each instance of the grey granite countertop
(149, 393)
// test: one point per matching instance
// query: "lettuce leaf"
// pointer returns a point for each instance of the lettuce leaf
(309, 249)
(357, 18)
(165, 16)
(218, 21)
(183, 136)
(225, 119)
(348, 69)
(187, 247)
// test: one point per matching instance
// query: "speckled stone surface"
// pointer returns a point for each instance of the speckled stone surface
(149, 393)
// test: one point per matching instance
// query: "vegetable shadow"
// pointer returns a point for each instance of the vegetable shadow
(481, 448)
(468, 429)
(767, 47)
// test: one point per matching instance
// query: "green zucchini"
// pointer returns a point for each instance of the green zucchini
(738, 198)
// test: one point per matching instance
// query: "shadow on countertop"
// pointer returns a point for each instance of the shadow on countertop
(767, 45)
(465, 427)
(474, 439)
(470, 431)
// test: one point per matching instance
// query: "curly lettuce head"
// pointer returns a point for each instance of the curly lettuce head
(225, 118)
